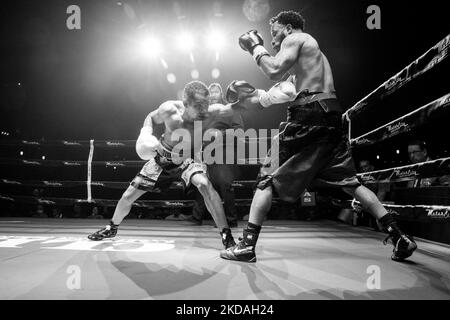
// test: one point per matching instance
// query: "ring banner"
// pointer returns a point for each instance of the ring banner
(87, 143)
(403, 124)
(428, 60)
(421, 213)
(109, 203)
(249, 184)
(64, 163)
(67, 143)
(434, 168)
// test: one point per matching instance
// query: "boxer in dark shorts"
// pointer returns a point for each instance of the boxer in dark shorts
(313, 149)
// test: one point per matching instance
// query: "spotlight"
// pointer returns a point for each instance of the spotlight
(397, 151)
(215, 40)
(43, 157)
(149, 47)
(185, 42)
(195, 74)
(19, 84)
(21, 153)
(171, 78)
(215, 73)
(378, 157)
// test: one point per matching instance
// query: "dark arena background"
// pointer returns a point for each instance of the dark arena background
(77, 80)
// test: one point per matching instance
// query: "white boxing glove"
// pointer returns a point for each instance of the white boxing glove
(147, 144)
(282, 92)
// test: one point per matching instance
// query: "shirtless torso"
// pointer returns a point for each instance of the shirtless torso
(298, 55)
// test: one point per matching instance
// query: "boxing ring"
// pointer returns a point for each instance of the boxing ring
(160, 259)
(171, 260)
(429, 112)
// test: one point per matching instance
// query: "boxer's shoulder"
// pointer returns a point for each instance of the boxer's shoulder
(298, 37)
(170, 107)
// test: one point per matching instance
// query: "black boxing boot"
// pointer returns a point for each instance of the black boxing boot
(108, 231)
(404, 245)
(244, 250)
(227, 238)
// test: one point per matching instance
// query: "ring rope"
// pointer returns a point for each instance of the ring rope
(408, 172)
(109, 202)
(104, 184)
(422, 213)
(403, 124)
(67, 143)
(427, 61)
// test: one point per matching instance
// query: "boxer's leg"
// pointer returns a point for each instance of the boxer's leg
(125, 203)
(214, 205)
(212, 199)
(144, 181)
(261, 204)
(222, 177)
(123, 207)
(404, 245)
(368, 199)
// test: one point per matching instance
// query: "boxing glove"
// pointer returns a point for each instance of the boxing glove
(252, 42)
(282, 92)
(237, 89)
(147, 144)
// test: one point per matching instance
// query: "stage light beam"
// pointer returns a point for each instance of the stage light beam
(215, 40)
(185, 42)
(149, 47)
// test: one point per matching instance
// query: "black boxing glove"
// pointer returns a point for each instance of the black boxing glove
(252, 42)
(237, 89)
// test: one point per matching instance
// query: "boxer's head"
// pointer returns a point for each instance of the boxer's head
(196, 100)
(216, 93)
(417, 151)
(283, 24)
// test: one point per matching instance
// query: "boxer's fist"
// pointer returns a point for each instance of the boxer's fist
(282, 92)
(147, 145)
(238, 89)
(249, 40)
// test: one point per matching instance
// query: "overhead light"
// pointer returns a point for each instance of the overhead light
(149, 47)
(215, 73)
(195, 74)
(171, 78)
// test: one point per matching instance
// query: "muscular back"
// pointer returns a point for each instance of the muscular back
(312, 70)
